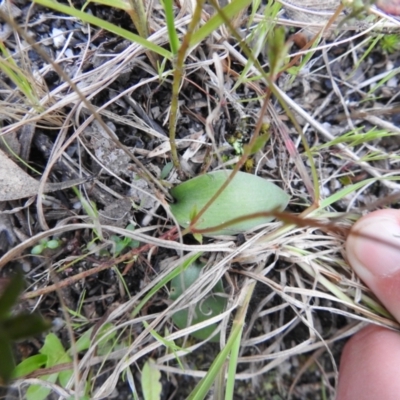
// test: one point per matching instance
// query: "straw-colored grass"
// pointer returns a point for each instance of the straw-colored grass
(298, 261)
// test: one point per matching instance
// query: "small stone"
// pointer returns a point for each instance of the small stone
(58, 37)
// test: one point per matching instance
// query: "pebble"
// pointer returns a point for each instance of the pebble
(58, 37)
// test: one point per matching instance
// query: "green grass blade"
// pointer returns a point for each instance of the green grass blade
(90, 19)
(169, 16)
(233, 362)
(17, 76)
(216, 21)
(203, 387)
(164, 281)
(350, 189)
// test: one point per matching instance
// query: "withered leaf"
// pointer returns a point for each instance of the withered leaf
(15, 183)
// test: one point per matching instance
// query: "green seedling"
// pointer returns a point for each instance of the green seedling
(45, 244)
(246, 194)
(151, 381)
(53, 353)
(122, 243)
(209, 307)
(166, 170)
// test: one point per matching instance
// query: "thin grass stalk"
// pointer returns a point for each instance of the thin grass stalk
(219, 384)
(253, 139)
(178, 73)
(139, 18)
(230, 10)
(202, 388)
(274, 90)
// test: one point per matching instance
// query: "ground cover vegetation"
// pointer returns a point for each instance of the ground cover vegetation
(177, 180)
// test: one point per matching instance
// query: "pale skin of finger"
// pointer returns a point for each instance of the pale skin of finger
(378, 264)
(389, 6)
(370, 363)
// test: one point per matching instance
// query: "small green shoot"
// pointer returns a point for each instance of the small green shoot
(91, 210)
(258, 144)
(354, 138)
(55, 354)
(278, 50)
(151, 385)
(166, 170)
(125, 242)
(45, 244)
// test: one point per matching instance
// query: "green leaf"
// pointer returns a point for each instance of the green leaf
(65, 376)
(54, 350)
(151, 385)
(83, 343)
(211, 306)
(163, 282)
(36, 250)
(166, 170)
(56, 354)
(246, 194)
(10, 294)
(186, 278)
(198, 237)
(38, 392)
(29, 365)
(53, 244)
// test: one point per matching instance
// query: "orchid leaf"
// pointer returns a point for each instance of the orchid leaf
(212, 305)
(246, 194)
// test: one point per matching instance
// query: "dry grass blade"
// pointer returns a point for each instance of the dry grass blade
(103, 109)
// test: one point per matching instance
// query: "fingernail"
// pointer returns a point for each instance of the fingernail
(375, 243)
